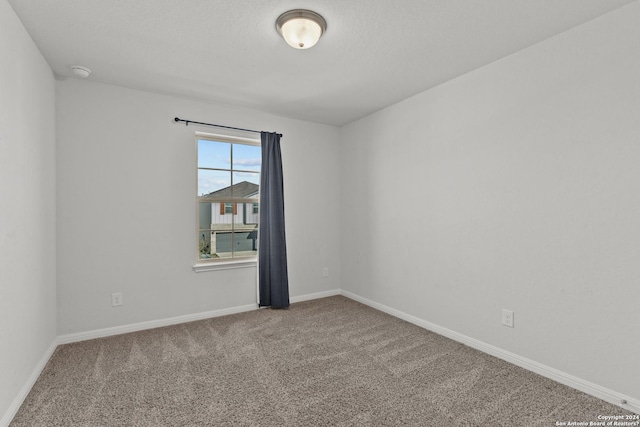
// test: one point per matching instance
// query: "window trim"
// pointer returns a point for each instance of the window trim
(234, 263)
(212, 264)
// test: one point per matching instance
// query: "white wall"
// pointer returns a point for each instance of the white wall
(27, 209)
(527, 172)
(126, 207)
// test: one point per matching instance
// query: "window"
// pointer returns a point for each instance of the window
(227, 197)
(228, 208)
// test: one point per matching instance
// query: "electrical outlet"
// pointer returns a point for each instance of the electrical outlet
(116, 299)
(507, 317)
(325, 272)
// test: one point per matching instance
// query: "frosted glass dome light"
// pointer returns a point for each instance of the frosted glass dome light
(80, 71)
(301, 28)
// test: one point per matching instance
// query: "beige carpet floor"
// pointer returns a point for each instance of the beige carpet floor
(327, 362)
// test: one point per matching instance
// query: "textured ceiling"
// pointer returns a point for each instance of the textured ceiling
(374, 53)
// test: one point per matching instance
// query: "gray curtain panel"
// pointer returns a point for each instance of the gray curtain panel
(272, 250)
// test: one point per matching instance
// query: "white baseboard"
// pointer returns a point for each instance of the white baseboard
(587, 387)
(151, 324)
(316, 295)
(134, 327)
(117, 330)
(551, 373)
(26, 388)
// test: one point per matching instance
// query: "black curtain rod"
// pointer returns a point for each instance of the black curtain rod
(186, 123)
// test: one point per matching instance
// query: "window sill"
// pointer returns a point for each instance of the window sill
(225, 265)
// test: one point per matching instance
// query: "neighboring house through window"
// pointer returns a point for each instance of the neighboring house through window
(227, 196)
(228, 208)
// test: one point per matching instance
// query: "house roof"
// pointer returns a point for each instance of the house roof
(241, 189)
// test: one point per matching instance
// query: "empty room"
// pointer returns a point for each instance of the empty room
(323, 212)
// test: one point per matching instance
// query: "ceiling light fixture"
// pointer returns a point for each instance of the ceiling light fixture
(301, 28)
(80, 71)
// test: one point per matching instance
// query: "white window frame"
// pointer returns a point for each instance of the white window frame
(212, 264)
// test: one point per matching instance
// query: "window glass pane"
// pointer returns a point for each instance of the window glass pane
(245, 242)
(228, 228)
(222, 244)
(246, 184)
(214, 154)
(204, 215)
(247, 157)
(213, 182)
(205, 244)
(251, 213)
(222, 217)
